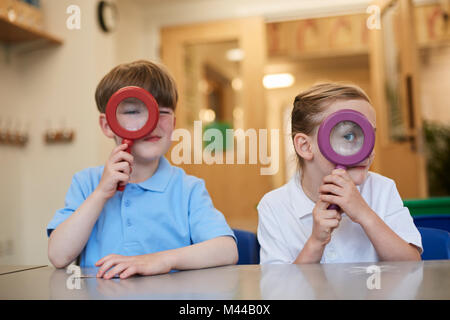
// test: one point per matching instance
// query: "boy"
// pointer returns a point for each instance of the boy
(163, 220)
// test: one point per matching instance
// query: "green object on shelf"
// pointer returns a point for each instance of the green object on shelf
(430, 206)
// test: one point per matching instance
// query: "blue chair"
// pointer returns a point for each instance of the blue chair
(436, 221)
(248, 247)
(436, 244)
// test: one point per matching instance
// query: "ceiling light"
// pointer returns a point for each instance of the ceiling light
(278, 80)
(235, 54)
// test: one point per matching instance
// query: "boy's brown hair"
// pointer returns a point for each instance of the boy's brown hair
(309, 105)
(142, 73)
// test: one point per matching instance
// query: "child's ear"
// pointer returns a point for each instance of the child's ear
(303, 147)
(104, 126)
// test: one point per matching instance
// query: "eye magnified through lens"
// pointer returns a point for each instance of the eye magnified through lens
(346, 138)
(132, 114)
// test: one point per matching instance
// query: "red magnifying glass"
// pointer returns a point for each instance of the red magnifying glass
(132, 113)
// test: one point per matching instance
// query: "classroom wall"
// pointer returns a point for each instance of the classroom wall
(435, 83)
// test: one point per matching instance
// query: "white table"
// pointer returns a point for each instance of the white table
(397, 280)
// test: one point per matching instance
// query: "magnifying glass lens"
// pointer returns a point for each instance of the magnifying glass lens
(346, 138)
(132, 114)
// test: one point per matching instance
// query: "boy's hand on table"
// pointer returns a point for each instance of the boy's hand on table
(126, 266)
(339, 189)
(117, 170)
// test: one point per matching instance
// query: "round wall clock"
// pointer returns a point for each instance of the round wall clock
(107, 16)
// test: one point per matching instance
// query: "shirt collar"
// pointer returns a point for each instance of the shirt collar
(302, 204)
(160, 179)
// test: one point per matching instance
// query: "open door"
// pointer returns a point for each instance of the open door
(396, 98)
(218, 68)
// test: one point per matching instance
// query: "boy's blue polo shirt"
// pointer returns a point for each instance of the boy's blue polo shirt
(168, 211)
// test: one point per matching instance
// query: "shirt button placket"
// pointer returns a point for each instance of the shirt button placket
(127, 204)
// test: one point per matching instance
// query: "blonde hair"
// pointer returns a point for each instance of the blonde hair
(311, 103)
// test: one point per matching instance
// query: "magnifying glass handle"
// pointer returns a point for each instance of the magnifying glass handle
(130, 144)
(335, 206)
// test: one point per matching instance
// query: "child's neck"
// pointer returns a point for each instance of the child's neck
(310, 185)
(143, 171)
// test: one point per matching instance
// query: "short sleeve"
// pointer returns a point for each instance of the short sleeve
(273, 247)
(205, 221)
(74, 198)
(399, 219)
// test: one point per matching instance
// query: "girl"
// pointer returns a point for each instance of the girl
(294, 223)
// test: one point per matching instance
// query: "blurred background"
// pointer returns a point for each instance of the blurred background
(238, 64)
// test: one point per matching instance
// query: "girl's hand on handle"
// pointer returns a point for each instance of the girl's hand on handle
(339, 189)
(117, 170)
(324, 222)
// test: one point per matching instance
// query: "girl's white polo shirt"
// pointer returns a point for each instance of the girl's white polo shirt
(285, 223)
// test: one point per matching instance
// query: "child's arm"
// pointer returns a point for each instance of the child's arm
(388, 245)
(210, 253)
(70, 237)
(324, 222)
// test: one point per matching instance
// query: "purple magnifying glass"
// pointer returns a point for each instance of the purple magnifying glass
(346, 138)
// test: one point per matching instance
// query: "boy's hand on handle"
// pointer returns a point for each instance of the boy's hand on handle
(339, 189)
(324, 222)
(117, 170)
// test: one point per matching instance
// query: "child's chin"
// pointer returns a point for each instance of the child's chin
(358, 176)
(149, 153)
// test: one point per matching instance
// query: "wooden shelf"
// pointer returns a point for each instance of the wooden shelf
(11, 33)
(21, 23)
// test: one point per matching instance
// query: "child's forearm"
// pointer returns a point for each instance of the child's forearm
(388, 245)
(311, 253)
(211, 253)
(68, 240)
